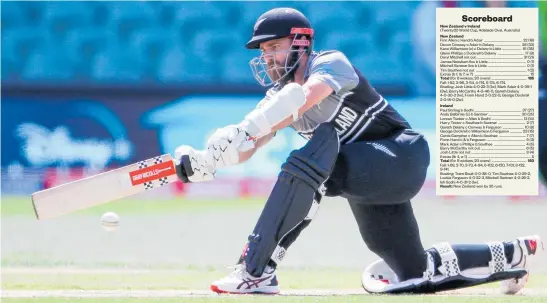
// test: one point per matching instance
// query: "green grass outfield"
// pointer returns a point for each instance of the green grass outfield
(22, 206)
(265, 299)
(162, 286)
(190, 279)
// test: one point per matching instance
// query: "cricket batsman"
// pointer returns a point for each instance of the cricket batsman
(359, 148)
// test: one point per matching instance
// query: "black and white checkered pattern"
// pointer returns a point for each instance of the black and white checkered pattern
(160, 182)
(149, 162)
(430, 270)
(152, 161)
(443, 248)
(142, 164)
(452, 267)
(498, 262)
(163, 181)
(281, 254)
(278, 254)
(449, 261)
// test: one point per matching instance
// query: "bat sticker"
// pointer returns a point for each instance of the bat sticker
(151, 173)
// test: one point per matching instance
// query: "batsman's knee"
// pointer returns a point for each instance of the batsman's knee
(314, 162)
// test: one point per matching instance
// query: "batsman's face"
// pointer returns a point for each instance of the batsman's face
(275, 53)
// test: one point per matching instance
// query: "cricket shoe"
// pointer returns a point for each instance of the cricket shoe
(529, 247)
(241, 282)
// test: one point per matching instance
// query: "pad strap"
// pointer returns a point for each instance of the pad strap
(498, 262)
(430, 269)
(278, 254)
(449, 261)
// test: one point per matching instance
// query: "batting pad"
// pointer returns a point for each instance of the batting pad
(294, 199)
(380, 278)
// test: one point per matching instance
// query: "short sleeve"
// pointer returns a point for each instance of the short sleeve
(335, 69)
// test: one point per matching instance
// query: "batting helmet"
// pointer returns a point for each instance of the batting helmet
(280, 23)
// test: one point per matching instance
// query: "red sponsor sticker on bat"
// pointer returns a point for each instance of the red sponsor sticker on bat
(153, 172)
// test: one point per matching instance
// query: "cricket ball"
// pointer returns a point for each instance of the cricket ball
(110, 221)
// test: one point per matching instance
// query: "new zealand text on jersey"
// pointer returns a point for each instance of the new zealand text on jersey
(344, 120)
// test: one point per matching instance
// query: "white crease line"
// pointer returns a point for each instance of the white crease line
(206, 293)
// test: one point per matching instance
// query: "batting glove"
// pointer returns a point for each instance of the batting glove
(193, 165)
(226, 144)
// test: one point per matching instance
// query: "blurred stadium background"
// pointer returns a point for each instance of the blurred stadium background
(96, 85)
(90, 86)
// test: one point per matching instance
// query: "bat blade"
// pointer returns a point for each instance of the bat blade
(104, 187)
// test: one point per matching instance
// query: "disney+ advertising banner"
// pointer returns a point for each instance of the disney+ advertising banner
(40, 132)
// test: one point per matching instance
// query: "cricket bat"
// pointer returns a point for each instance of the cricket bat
(104, 187)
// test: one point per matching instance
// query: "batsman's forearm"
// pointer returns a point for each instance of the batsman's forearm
(246, 155)
(283, 124)
(274, 128)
